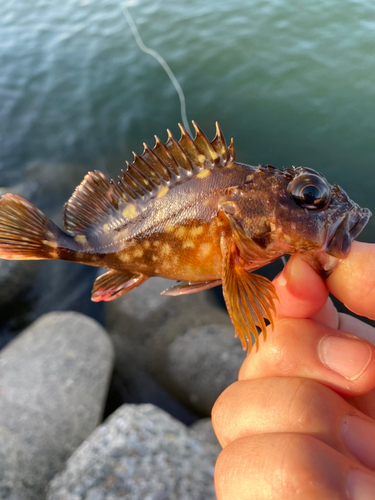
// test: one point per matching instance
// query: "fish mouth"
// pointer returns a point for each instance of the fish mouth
(342, 233)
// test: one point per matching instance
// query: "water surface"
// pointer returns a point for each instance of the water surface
(292, 81)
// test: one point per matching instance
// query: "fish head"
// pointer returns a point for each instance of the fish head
(315, 218)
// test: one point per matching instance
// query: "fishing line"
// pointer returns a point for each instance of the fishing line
(167, 69)
(160, 60)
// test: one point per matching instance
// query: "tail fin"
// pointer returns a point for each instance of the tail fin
(25, 233)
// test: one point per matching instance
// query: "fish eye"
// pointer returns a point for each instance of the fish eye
(310, 191)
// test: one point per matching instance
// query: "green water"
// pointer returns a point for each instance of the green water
(292, 81)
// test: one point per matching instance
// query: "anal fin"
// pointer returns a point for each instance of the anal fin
(249, 297)
(186, 288)
(114, 284)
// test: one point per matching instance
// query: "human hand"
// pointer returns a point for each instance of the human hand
(299, 422)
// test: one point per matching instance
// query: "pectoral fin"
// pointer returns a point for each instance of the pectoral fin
(186, 288)
(249, 297)
(113, 284)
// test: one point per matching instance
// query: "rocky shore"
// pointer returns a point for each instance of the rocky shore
(54, 381)
(112, 407)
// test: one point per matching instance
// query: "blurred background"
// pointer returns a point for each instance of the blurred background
(293, 82)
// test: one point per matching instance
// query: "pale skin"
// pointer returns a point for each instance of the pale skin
(300, 422)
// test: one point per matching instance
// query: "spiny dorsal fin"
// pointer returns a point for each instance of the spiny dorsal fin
(99, 203)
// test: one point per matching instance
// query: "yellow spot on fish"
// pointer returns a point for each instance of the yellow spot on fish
(203, 174)
(180, 231)
(163, 192)
(156, 243)
(205, 250)
(137, 253)
(47, 242)
(146, 244)
(250, 177)
(106, 228)
(80, 238)
(169, 227)
(188, 244)
(166, 249)
(287, 238)
(125, 257)
(196, 231)
(130, 211)
(154, 257)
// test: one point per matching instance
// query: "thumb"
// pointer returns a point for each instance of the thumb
(301, 291)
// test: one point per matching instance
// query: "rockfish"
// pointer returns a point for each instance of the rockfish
(186, 210)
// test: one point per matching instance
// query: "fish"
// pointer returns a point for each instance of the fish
(186, 210)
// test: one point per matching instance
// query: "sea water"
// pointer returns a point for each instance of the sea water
(292, 81)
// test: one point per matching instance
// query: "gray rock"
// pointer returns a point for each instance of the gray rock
(144, 324)
(53, 382)
(139, 453)
(202, 363)
(203, 431)
(15, 464)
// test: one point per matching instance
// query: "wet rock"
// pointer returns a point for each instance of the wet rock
(140, 452)
(202, 363)
(144, 324)
(53, 383)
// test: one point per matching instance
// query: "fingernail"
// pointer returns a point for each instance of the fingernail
(359, 437)
(281, 280)
(347, 356)
(360, 485)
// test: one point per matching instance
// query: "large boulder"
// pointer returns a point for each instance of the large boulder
(202, 363)
(140, 452)
(53, 384)
(16, 468)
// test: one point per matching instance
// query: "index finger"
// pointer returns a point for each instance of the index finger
(353, 281)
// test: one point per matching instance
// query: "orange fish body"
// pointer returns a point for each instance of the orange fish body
(186, 210)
